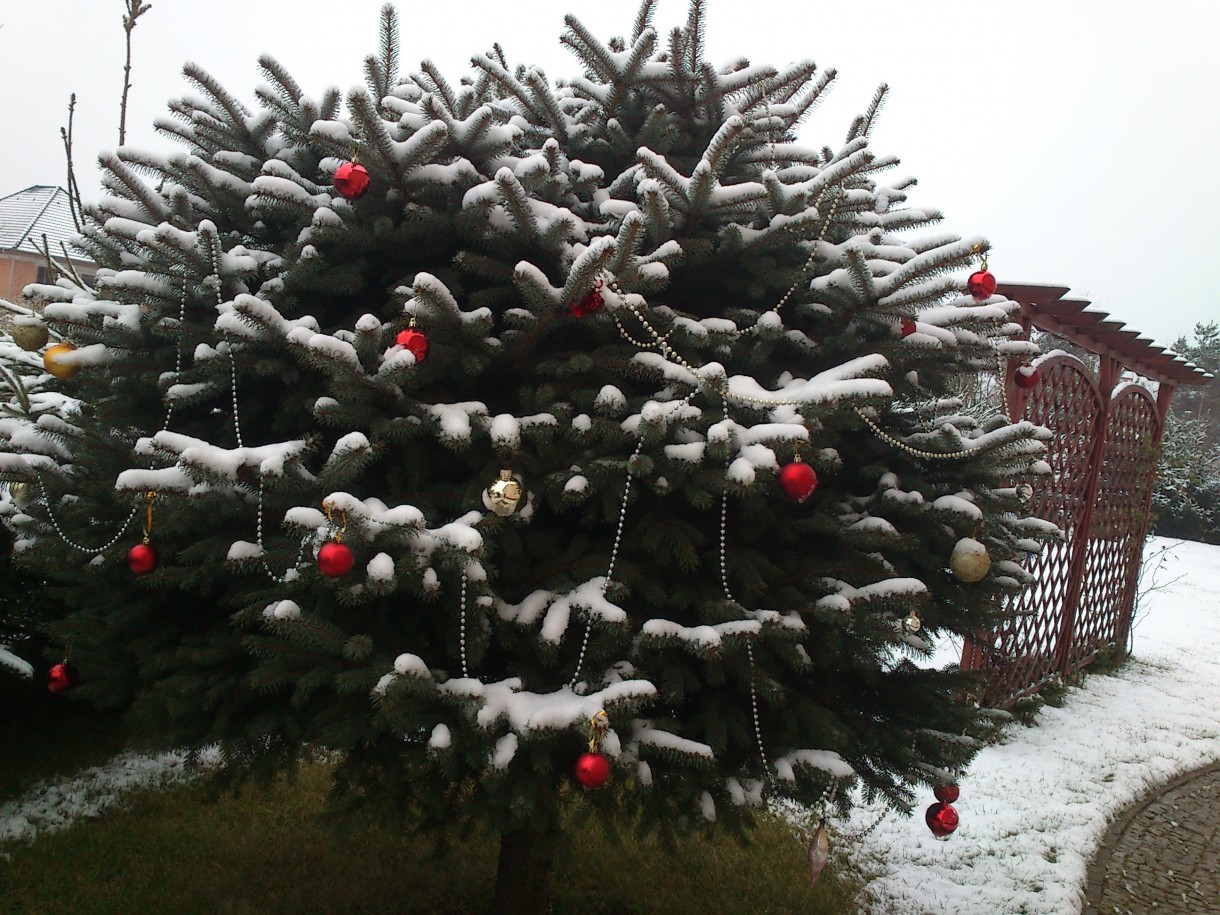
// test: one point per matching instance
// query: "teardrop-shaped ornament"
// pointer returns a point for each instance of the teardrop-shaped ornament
(819, 853)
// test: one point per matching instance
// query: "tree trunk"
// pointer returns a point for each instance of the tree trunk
(523, 876)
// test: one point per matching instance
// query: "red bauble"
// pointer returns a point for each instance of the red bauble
(1026, 376)
(981, 285)
(591, 303)
(62, 678)
(335, 559)
(592, 770)
(414, 342)
(142, 558)
(941, 819)
(798, 480)
(907, 326)
(946, 794)
(351, 180)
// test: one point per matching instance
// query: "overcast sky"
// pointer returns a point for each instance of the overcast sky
(1080, 136)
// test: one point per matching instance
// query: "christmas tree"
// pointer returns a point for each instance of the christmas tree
(483, 430)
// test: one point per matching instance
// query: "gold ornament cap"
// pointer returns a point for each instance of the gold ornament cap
(504, 495)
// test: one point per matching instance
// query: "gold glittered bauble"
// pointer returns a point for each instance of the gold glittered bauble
(970, 561)
(30, 336)
(51, 359)
(504, 495)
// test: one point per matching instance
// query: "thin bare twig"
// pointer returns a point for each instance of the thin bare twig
(74, 205)
(135, 9)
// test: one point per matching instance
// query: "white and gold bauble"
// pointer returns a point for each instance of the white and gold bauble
(912, 623)
(970, 561)
(1025, 492)
(504, 495)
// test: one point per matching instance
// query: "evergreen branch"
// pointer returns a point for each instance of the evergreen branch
(436, 83)
(641, 50)
(207, 84)
(389, 47)
(376, 138)
(864, 124)
(585, 269)
(643, 19)
(517, 202)
(773, 90)
(696, 25)
(630, 234)
(809, 97)
(287, 88)
(510, 85)
(135, 190)
(536, 81)
(592, 53)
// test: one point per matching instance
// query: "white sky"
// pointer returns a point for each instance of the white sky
(1079, 136)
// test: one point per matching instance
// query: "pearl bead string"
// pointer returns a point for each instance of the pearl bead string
(618, 540)
(169, 413)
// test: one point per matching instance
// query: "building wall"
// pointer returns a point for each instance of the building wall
(15, 274)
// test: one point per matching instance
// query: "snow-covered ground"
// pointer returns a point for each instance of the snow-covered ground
(1035, 806)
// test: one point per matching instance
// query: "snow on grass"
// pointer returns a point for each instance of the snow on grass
(56, 804)
(1035, 805)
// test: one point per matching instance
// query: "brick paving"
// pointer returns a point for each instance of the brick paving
(1162, 855)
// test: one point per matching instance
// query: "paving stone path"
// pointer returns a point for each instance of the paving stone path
(1162, 855)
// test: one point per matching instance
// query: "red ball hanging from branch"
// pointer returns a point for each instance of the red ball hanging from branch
(351, 180)
(798, 480)
(941, 819)
(946, 794)
(981, 285)
(62, 678)
(592, 303)
(907, 326)
(1026, 377)
(592, 770)
(413, 341)
(142, 558)
(335, 559)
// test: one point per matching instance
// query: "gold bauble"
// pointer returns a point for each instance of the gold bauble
(31, 336)
(970, 561)
(504, 495)
(22, 493)
(50, 359)
(1025, 492)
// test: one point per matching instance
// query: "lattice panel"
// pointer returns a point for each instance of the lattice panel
(1119, 525)
(1026, 652)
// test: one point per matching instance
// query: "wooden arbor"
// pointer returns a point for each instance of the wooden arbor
(1103, 460)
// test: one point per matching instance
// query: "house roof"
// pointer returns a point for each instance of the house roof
(28, 215)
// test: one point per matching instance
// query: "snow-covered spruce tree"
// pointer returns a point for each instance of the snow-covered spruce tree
(763, 303)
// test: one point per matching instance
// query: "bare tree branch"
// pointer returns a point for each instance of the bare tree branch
(135, 9)
(74, 205)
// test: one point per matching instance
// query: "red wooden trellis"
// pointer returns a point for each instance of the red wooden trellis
(1103, 469)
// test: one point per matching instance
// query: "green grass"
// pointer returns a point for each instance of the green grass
(268, 851)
